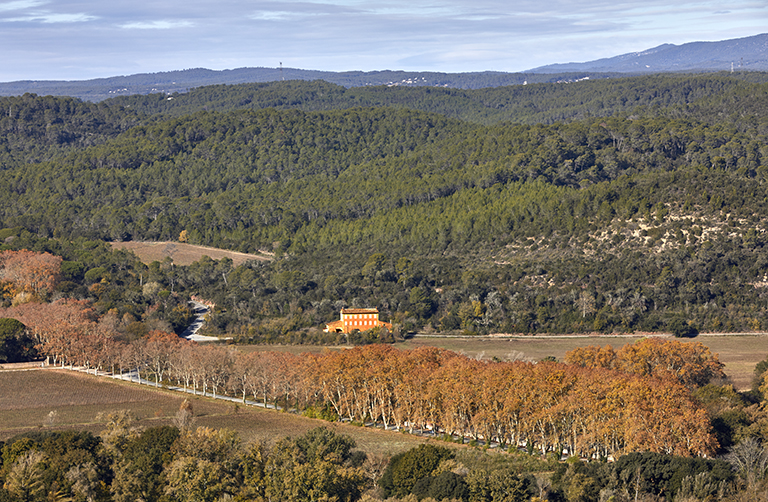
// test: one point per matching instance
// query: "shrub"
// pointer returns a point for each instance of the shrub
(406, 469)
(682, 329)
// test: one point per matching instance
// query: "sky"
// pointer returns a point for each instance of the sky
(84, 39)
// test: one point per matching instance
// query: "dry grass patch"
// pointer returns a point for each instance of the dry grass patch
(184, 254)
(739, 353)
(257, 424)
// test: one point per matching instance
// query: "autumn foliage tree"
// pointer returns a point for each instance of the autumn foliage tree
(158, 350)
(66, 331)
(29, 272)
(690, 363)
(550, 406)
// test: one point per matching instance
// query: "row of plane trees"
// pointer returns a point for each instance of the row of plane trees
(593, 407)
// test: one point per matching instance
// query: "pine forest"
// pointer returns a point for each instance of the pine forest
(612, 206)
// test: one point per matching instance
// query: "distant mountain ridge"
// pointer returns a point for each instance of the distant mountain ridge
(183, 80)
(750, 54)
(744, 54)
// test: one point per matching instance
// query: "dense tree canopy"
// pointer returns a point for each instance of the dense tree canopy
(479, 228)
(691, 364)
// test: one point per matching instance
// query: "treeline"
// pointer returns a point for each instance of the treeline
(433, 473)
(537, 102)
(170, 463)
(184, 463)
(96, 90)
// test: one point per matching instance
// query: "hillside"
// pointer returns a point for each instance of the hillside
(184, 80)
(641, 218)
(532, 104)
(743, 54)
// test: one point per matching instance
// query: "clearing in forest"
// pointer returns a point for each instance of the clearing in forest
(184, 254)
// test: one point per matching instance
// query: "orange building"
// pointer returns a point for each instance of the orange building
(356, 319)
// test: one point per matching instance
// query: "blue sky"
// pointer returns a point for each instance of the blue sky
(81, 39)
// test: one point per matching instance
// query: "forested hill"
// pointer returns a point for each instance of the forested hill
(181, 81)
(534, 103)
(640, 217)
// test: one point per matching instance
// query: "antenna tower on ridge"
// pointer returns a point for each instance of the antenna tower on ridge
(282, 77)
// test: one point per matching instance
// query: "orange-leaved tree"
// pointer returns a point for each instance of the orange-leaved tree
(29, 272)
(690, 363)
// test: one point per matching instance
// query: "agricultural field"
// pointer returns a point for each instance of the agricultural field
(183, 254)
(63, 400)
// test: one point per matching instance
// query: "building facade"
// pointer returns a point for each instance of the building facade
(356, 319)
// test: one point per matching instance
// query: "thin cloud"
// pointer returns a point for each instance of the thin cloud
(20, 5)
(51, 18)
(157, 25)
(287, 11)
(278, 15)
(28, 11)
